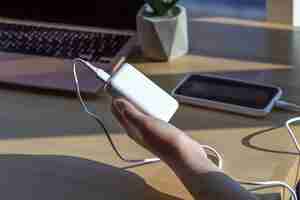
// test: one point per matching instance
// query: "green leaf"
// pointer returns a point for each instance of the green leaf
(160, 8)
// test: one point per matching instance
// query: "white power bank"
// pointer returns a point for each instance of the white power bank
(133, 85)
(130, 83)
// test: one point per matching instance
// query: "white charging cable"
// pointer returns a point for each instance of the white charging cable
(260, 184)
(100, 122)
(270, 184)
(291, 132)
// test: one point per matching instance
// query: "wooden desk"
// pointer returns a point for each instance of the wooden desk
(50, 149)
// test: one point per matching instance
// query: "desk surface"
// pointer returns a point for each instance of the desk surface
(50, 149)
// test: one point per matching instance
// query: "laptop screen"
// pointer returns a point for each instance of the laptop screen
(119, 14)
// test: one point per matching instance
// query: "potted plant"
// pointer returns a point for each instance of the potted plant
(162, 29)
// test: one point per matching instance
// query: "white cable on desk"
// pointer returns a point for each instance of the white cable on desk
(271, 184)
(261, 184)
(291, 132)
(217, 154)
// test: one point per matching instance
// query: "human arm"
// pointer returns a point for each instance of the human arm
(181, 153)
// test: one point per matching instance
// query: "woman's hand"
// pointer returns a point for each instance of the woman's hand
(166, 141)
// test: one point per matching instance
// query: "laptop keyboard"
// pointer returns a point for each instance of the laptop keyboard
(60, 43)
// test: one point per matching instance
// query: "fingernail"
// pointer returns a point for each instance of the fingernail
(120, 105)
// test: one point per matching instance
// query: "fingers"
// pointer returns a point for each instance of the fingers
(132, 117)
(121, 118)
(156, 135)
(130, 113)
(118, 111)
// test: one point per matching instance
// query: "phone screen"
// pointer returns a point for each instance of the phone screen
(227, 91)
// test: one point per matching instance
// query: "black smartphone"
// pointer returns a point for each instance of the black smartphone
(227, 94)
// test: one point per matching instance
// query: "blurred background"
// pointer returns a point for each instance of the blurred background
(245, 9)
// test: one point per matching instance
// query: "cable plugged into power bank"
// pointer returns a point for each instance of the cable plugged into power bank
(133, 85)
(100, 73)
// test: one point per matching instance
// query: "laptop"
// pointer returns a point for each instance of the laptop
(39, 40)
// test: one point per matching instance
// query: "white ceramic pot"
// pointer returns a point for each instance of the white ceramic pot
(163, 38)
(296, 12)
